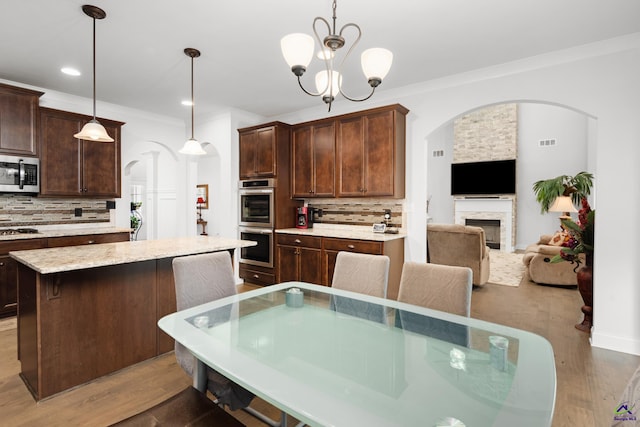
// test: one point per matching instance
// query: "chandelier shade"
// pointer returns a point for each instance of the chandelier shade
(298, 49)
(192, 147)
(93, 130)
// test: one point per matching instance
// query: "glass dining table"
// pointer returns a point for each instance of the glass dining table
(335, 358)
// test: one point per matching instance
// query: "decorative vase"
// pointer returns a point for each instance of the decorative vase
(584, 276)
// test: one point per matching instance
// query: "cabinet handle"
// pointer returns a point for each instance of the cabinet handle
(351, 247)
(1, 264)
(310, 191)
(91, 242)
(255, 276)
(297, 241)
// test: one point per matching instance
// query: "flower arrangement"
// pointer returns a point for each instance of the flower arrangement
(579, 237)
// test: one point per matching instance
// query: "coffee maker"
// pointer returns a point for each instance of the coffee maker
(304, 217)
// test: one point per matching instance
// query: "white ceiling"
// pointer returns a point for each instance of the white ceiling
(141, 64)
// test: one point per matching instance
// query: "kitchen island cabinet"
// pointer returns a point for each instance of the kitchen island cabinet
(87, 311)
(19, 121)
(73, 167)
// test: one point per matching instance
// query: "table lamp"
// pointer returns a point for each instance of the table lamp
(563, 204)
(200, 201)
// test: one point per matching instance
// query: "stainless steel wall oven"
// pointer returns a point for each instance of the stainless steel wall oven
(257, 214)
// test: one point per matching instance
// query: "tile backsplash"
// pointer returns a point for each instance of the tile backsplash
(17, 210)
(358, 211)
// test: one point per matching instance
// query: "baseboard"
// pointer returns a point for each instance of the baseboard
(609, 342)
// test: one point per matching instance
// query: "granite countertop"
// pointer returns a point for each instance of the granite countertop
(346, 232)
(45, 232)
(55, 260)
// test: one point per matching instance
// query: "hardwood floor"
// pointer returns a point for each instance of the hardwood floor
(589, 379)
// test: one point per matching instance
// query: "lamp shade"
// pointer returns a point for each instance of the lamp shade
(200, 200)
(323, 87)
(193, 148)
(376, 62)
(93, 131)
(297, 49)
(562, 204)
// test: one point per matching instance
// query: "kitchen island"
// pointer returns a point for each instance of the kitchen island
(87, 311)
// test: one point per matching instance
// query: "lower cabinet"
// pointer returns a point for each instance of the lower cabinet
(312, 259)
(8, 266)
(256, 275)
(8, 272)
(299, 258)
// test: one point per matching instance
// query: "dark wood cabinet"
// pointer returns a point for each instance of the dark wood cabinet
(8, 272)
(256, 275)
(299, 258)
(18, 121)
(313, 160)
(258, 152)
(73, 167)
(8, 266)
(370, 154)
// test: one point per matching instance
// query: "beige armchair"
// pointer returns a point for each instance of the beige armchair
(537, 260)
(459, 245)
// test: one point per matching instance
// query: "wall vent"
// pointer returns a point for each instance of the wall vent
(547, 142)
(438, 153)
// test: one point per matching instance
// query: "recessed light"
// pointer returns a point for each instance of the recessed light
(70, 71)
(187, 103)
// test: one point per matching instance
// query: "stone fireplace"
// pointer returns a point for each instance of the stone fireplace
(497, 213)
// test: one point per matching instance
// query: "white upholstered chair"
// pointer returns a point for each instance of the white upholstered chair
(200, 279)
(439, 287)
(365, 274)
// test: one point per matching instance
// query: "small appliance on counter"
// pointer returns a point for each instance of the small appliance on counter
(304, 217)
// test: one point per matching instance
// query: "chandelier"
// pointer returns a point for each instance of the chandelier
(93, 130)
(298, 48)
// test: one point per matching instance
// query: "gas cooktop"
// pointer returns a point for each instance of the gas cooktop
(9, 231)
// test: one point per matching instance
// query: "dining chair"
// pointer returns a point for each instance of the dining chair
(438, 287)
(365, 274)
(200, 279)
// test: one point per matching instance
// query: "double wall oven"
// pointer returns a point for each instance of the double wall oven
(257, 221)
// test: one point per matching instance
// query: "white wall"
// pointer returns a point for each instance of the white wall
(439, 175)
(569, 156)
(599, 80)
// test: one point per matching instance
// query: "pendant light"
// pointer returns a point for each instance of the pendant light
(192, 146)
(93, 130)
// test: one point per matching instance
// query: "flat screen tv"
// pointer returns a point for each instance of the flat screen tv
(483, 178)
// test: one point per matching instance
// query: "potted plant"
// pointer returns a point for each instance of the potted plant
(576, 187)
(579, 240)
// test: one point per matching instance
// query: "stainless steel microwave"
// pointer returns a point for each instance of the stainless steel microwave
(19, 174)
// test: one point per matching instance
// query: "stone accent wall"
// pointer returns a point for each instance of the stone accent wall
(358, 211)
(487, 134)
(18, 210)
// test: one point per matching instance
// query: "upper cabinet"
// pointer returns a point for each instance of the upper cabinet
(73, 167)
(313, 160)
(371, 153)
(258, 150)
(18, 121)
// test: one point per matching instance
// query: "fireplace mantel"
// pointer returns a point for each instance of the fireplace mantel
(500, 208)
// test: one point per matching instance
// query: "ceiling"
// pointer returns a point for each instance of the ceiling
(141, 64)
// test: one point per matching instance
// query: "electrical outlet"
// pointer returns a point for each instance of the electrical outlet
(77, 211)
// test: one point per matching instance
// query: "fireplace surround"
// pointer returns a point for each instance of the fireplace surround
(489, 208)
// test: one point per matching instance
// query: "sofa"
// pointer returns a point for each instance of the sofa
(537, 260)
(459, 245)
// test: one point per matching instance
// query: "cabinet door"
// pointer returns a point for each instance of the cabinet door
(302, 167)
(324, 160)
(310, 265)
(379, 154)
(18, 121)
(247, 142)
(350, 140)
(60, 160)
(101, 166)
(265, 157)
(288, 262)
(8, 289)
